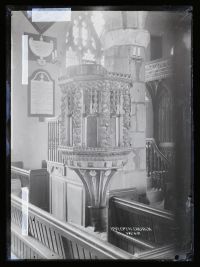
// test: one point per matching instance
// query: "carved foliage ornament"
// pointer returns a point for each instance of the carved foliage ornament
(126, 117)
(96, 183)
(105, 116)
(77, 117)
(103, 98)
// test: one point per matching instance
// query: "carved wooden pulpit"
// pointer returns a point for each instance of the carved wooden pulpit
(94, 130)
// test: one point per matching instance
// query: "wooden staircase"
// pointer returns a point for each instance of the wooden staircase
(159, 172)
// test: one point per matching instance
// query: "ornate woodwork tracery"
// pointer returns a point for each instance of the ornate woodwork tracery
(96, 183)
(103, 98)
(165, 116)
(162, 100)
(94, 128)
(158, 83)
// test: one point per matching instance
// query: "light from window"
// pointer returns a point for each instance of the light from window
(172, 51)
(98, 21)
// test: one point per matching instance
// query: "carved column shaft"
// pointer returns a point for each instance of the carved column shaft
(96, 185)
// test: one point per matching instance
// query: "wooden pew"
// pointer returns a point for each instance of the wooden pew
(27, 247)
(64, 240)
(18, 164)
(124, 216)
(50, 238)
(38, 183)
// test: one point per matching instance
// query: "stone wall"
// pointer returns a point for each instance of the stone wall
(118, 58)
(134, 173)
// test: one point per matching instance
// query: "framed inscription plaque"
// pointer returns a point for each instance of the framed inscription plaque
(41, 95)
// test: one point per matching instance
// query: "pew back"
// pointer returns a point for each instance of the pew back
(64, 240)
(136, 227)
(38, 183)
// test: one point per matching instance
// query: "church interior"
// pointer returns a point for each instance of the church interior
(101, 140)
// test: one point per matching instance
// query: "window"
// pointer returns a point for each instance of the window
(83, 45)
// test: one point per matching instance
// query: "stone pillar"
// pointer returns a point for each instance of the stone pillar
(183, 134)
(125, 41)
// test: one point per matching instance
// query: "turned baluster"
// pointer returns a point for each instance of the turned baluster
(56, 141)
(59, 159)
(49, 138)
(148, 158)
(53, 142)
(54, 138)
(154, 160)
(151, 158)
(159, 164)
(48, 143)
(163, 170)
(50, 124)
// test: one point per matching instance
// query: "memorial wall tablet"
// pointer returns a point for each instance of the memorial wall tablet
(41, 95)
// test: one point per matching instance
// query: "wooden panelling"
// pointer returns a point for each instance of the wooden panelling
(26, 247)
(58, 198)
(52, 238)
(75, 203)
(126, 213)
(39, 188)
(67, 198)
(38, 183)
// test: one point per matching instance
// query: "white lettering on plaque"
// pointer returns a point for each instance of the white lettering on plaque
(42, 97)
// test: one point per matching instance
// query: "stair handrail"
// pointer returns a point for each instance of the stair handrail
(152, 140)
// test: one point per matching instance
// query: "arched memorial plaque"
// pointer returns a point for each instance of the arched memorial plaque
(41, 95)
